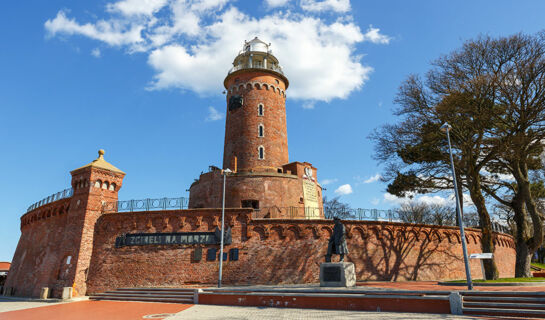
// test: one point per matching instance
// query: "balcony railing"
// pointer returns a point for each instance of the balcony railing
(66, 193)
(145, 205)
(256, 66)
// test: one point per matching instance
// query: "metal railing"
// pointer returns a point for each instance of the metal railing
(362, 214)
(66, 193)
(145, 205)
(294, 212)
(256, 66)
(320, 213)
(497, 228)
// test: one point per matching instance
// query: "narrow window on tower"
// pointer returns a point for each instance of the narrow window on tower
(261, 152)
(261, 131)
(260, 110)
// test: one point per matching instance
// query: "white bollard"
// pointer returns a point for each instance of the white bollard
(66, 293)
(44, 293)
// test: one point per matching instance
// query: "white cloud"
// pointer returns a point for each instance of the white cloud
(136, 7)
(113, 33)
(344, 190)
(326, 5)
(303, 45)
(192, 43)
(373, 35)
(438, 200)
(372, 179)
(427, 199)
(328, 181)
(213, 114)
(390, 198)
(505, 177)
(276, 3)
(498, 176)
(309, 104)
(375, 201)
(96, 53)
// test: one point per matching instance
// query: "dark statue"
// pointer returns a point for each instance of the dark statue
(235, 102)
(337, 241)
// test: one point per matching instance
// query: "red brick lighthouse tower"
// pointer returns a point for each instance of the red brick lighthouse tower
(255, 131)
(256, 145)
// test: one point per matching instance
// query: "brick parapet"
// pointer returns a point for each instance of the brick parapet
(46, 211)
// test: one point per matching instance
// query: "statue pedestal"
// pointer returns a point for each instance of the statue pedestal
(337, 274)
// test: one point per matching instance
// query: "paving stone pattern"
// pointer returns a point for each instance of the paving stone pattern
(204, 312)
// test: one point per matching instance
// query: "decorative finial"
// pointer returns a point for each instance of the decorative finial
(101, 153)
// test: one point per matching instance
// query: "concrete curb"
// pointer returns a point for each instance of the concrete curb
(23, 299)
(50, 300)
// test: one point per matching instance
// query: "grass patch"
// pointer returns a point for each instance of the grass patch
(539, 265)
(536, 279)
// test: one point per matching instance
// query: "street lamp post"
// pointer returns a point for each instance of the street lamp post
(224, 173)
(446, 128)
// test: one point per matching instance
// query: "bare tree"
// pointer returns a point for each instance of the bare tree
(421, 212)
(335, 208)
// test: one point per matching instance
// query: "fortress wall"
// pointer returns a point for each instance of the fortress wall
(39, 259)
(278, 251)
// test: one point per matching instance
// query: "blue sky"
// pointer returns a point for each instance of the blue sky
(143, 80)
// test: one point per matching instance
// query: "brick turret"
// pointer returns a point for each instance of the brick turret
(255, 130)
(93, 184)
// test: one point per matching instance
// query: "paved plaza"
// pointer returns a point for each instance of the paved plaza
(14, 309)
(86, 310)
(209, 312)
(13, 304)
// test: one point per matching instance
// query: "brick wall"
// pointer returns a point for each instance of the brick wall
(279, 251)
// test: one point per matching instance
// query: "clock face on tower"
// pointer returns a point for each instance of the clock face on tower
(235, 102)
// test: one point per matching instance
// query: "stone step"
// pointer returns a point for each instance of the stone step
(172, 295)
(503, 299)
(522, 313)
(143, 299)
(503, 293)
(124, 294)
(156, 289)
(535, 306)
(151, 292)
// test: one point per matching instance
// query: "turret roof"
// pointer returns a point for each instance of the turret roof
(101, 163)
